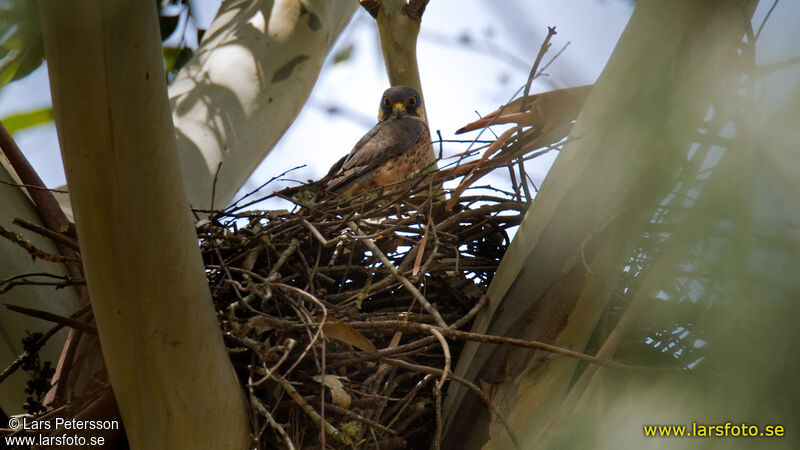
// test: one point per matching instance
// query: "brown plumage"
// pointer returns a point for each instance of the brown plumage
(394, 148)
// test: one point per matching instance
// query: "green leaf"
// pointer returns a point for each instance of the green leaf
(343, 55)
(28, 119)
(21, 48)
(8, 68)
(30, 60)
(170, 55)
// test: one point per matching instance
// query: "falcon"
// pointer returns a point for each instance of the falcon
(394, 148)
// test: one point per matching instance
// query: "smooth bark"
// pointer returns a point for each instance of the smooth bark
(171, 376)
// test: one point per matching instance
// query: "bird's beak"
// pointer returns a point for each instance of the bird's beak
(398, 110)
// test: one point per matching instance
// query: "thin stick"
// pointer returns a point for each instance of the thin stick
(32, 186)
(551, 31)
(28, 246)
(388, 264)
(465, 382)
(438, 388)
(45, 337)
(319, 328)
(271, 420)
(51, 317)
(329, 429)
(46, 232)
(489, 339)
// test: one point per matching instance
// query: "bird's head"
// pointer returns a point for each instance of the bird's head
(398, 102)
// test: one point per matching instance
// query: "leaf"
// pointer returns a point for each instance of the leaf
(338, 394)
(347, 334)
(343, 54)
(8, 69)
(170, 54)
(259, 324)
(30, 61)
(28, 119)
(21, 47)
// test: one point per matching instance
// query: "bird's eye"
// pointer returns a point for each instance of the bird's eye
(412, 101)
(386, 101)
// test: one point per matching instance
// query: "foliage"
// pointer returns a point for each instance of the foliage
(21, 121)
(21, 45)
(171, 14)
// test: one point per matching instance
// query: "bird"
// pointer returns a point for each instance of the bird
(396, 147)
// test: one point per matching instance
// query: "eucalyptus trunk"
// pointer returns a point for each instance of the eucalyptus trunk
(664, 236)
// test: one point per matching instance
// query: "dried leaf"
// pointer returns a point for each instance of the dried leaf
(347, 334)
(338, 394)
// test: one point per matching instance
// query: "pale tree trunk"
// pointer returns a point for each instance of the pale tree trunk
(675, 64)
(166, 361)
(250, 78)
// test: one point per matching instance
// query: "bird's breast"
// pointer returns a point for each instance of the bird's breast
(400, 167)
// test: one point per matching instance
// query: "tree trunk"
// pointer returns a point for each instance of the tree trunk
(248, 81)
(167, 364)
(673, 63)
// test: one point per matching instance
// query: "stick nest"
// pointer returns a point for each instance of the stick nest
(330, 312)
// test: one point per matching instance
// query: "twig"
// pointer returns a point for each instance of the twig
(489, 339)
(388, 264)
(46, 232)
(33, 186)
(20, 280)
(51, 317)
(438, 388)
(551, 31)
(319, 327)
(271, 420)
(17, 238)
(214, 185)
(468, 384)
(764, 22)
(544, 67)
(43, 340)
(360, 418)
(329, 429)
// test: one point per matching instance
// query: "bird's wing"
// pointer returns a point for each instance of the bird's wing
(385, 140)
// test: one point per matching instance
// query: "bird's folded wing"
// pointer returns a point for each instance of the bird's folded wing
(384, 141)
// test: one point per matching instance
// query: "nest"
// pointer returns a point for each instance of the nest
(343, 317)
(335, 314)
